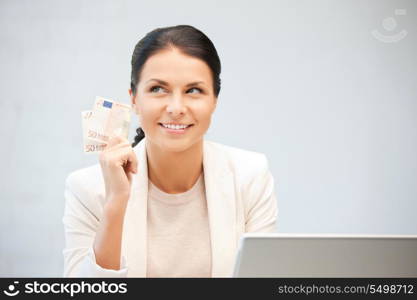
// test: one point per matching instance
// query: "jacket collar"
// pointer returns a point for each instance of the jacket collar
(220, 195)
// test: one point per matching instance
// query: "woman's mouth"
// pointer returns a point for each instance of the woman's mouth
(175, 128)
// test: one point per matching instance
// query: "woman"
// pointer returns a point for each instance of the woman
(171, 204)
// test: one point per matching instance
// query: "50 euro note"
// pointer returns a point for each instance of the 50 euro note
(89, 145)
(107, 119)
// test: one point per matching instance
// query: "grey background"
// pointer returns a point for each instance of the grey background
(305, 82)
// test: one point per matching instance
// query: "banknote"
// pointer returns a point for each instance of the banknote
(89, 146)
(108, 118)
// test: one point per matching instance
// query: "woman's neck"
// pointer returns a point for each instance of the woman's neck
(174, 172)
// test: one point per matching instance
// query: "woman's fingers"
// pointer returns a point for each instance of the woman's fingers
(124, 156)
(116, 140)
(119, 145)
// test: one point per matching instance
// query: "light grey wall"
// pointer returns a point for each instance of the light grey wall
(304, 82)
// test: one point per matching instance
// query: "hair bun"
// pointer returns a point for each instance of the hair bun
(140, 134)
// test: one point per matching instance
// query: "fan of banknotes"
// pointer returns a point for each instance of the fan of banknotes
(107, 119)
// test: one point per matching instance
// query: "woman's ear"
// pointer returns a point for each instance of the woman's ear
(132, 100)
(215, 104)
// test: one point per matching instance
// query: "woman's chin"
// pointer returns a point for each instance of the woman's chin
(176, 145)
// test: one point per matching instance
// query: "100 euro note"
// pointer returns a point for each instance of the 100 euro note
(107, 119)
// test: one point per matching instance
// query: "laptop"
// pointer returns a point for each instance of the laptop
(326, 255)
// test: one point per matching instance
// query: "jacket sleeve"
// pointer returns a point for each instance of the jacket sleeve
(80, 227)
(262, 211)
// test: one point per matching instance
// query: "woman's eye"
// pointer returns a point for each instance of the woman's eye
(159, 89)
(199, 90)
(155, 88)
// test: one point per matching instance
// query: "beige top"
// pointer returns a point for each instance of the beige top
(178, 233)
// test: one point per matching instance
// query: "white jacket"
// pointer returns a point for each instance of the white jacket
(240, 198)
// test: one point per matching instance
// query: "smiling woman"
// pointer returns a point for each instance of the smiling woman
(179, 66)
(174, 89)
(171, 204)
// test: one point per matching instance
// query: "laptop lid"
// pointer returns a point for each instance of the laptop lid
(326, 255)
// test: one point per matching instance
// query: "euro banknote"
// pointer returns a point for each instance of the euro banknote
(107, 119)
(89, 145)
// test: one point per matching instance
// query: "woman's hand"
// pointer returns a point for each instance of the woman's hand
(117, 162)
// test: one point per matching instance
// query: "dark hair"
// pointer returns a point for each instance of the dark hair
(188, 40)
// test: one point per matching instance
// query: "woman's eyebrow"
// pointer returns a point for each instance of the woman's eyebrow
(166, 83)
(194, 83)
(158, 80)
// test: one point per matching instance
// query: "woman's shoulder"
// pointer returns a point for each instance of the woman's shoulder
(242, 161)
(86, 183)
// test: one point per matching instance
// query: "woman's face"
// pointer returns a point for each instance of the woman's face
(174, 88)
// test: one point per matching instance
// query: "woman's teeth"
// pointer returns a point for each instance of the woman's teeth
(176, 127)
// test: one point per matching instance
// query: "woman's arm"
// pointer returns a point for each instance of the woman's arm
(94, 239)
(262, 212)
(107, 244)
(82, 222)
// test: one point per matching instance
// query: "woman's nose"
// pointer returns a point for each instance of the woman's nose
(176, 105)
